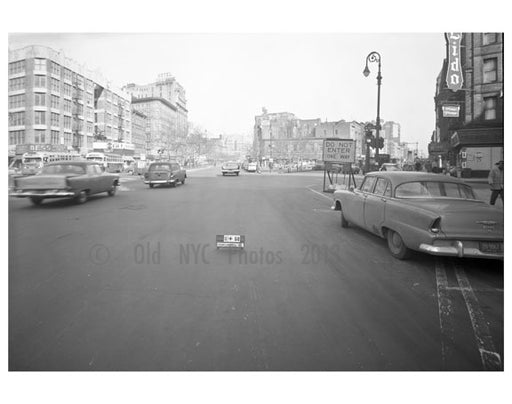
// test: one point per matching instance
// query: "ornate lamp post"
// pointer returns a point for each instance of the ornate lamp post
(375, 57)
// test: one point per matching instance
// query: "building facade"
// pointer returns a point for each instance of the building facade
(165, 105)
(139, 136)
(469, 121)
(57, 104)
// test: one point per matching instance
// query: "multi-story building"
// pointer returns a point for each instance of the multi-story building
(469, 121)
(57, 104)
(139, 135)
(165, 105)
(392, 143)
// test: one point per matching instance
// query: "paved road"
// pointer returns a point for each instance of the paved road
(134, 282)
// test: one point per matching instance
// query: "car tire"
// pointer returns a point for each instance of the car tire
(112, 190)
(396, 245)
(151, 185)
(81, 197)
(237, 174)
(183, 181)
(172, 184)
(36, 200)
(344, 222)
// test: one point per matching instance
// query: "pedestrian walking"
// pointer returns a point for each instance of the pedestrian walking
(496, 182)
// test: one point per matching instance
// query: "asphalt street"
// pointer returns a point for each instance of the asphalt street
(135, 282)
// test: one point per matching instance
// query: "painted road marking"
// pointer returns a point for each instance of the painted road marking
(490, 358)
(445, 313)
(319, 193)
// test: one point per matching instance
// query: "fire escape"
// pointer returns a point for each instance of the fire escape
(120, 114)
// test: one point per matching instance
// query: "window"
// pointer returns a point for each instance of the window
(489, 38)
(54, 137)
(55, 102)
(490, 70)
(17, 84)
(17, 67)
(55, 84)
(490, 107)
(17, 137)
(39, 136)
(40, 81)
(40, 99)
(67, 90)
(55, 119)
(55, 68)
(40, 117)
(67, 105)
(67, 122)
(67, 74)
(17, 118)
(68, 138)
(367, 185)
(17, 101)
(381, 187)
(40, 64)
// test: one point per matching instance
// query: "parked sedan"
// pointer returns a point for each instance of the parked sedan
(164, 173)
(434, 214)
(230, 168)
(66, 179)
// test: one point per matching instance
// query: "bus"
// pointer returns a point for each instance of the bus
(112, 163)
(33, 162)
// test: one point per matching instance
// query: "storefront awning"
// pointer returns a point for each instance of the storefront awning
(477, 137)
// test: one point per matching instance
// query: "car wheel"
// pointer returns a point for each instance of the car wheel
(82, 197)
(344, 222)
(237, 174)
(112, 190)
(151, 185)
(172, 184)
(36, 200)
(183, 181)
(396, 246)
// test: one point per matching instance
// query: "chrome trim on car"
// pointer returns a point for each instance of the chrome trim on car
(159, 181)
(457, 251)
(57, 194)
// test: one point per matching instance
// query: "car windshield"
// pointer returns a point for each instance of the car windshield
(231, 165)
(32, 160)
(434, 189)
(160, 167)
(64, 169)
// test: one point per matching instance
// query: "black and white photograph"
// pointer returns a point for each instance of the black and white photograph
(306, 203)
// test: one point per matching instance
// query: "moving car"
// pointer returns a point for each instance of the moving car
(230, 168)
(426, 212)
(164, 173)
(67, 179)
(355, 169)
(252, 167)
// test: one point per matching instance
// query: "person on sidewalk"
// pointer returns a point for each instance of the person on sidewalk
(496, 182)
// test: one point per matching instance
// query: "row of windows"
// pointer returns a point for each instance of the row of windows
(18, 119)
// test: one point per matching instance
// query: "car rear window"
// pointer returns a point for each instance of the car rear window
(434, 189)
(64, 169)
(160, 167)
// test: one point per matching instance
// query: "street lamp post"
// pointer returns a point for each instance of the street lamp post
(375, 57)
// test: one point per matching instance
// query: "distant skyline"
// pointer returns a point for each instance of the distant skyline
(228, 78)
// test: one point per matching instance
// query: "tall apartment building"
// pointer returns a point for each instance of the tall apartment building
(165, 105)
(469, 121)
(57, 104)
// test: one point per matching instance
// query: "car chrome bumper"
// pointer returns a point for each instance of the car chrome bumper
(57, 194)
(159, 181)
(458, 250)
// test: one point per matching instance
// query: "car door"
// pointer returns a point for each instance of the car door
(353, 208)
(104, 178)
(93, 179)
(375, 205)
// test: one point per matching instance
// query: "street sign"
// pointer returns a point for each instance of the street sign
(230, 240)
(451, 110)
(339, 151)
(454, 76)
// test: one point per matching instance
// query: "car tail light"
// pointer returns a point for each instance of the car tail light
(435, 227)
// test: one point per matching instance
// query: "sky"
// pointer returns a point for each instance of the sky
(228, 78)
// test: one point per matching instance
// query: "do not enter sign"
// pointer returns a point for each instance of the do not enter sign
(339, 151)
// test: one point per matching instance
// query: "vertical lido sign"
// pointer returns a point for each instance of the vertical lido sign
(454, 77)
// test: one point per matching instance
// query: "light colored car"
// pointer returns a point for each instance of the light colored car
(230, 167)
(431, 213)
(66, 179)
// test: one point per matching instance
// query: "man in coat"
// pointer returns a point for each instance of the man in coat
(496, 182)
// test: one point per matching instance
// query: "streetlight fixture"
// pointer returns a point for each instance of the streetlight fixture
(371, 58)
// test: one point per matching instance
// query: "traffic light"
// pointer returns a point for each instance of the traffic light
(380, 145)
(370, 139)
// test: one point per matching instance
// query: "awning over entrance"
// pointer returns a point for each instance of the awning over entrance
(477, 137)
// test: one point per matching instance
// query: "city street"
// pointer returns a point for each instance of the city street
(135, 282)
